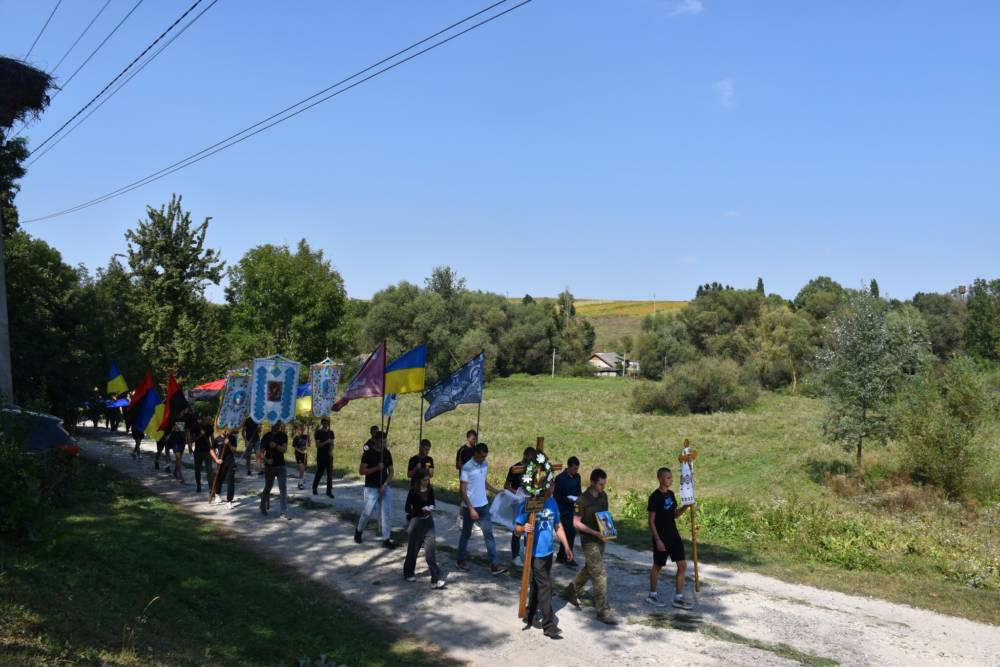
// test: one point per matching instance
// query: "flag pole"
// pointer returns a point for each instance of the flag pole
(421, 415)
(479, 408)
(383, 435)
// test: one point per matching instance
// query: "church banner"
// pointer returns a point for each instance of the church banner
(234, 404)
(323, 379)
(274, 381)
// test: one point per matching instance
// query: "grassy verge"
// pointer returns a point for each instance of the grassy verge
(124, 578)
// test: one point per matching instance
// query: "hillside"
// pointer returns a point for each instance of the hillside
(614, 319)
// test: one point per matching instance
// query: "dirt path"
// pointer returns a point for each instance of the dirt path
(739, 618)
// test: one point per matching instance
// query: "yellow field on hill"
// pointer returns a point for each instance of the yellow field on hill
(606, 308)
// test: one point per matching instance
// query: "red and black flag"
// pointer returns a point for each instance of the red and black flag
(174, 405)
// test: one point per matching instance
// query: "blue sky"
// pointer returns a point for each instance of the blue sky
(620, 148)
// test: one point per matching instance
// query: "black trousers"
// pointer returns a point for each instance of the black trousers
(200, 459)
(227, 474)
(324, 466)
(138, 441)
(540, 596)
(566, 519)
(421, 534)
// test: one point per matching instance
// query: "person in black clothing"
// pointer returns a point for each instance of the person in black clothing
(251, 436)
(663, 512)
(372, 437)
(376, 467)
(419, 506)
(567, 489)
(226, 460)
(300, 443)
(422, 461)
(512, 484)
(201, 438)
(274, 444)
(464, 453)
(137, 436)
(324, 456)
(178, 441)
(162, 448)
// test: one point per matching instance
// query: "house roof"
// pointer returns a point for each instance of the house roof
(610, 359)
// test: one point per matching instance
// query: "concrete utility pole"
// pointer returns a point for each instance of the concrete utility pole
(553, 362)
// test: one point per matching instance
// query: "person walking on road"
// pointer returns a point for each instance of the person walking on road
(376, 468)
(324, 456)
(592, 501)
(419, 509)
(476, 508)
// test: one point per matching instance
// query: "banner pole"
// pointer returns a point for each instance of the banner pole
(421, 415)
(694, 549)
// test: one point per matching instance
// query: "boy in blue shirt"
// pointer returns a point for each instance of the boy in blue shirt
(546, 528)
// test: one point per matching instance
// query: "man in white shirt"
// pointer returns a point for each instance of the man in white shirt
(476, 507)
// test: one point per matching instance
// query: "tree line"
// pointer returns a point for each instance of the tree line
(147, 309)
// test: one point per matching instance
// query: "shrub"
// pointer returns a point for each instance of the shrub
(937, 419)
(708, 385)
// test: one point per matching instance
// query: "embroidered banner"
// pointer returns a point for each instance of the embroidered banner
(687, 477)
(323, 380)
(234, 404)
(273, 383)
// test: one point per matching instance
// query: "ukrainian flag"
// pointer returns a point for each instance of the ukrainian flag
(116, 382)
(406, 374)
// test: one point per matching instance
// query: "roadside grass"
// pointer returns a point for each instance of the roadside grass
(124, 578)
(773, 496)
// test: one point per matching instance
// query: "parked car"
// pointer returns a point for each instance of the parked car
(41, 433)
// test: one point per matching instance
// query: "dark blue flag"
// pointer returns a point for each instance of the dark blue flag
(463, 386)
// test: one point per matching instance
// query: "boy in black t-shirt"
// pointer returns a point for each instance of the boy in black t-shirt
(201, 436)
(422, 461)
(300, 443)
(376, 467)
(663, 512)
(324, 456)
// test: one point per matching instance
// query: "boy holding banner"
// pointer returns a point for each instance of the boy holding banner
(663, 514)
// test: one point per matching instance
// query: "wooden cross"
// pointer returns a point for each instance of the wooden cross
(531, 505)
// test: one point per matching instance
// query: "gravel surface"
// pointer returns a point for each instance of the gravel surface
(738, 617)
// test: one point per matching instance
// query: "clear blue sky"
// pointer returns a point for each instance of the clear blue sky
(618, 148)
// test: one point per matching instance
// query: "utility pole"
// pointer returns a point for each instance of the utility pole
(553, 362)
(6, 376)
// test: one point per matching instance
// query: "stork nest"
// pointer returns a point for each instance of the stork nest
(24, 91)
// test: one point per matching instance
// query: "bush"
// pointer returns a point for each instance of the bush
(938, 419)
(708, 385)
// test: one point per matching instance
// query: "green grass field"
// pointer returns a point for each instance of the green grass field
(774, 497)
(124, 578)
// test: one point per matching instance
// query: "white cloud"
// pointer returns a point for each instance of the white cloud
(687, 8)
(731, 214)
(726, 90)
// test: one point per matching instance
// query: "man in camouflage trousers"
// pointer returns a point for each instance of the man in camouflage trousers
(592, 501)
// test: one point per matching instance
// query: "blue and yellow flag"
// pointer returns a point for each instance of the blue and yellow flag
(116, 381)
(406, 374)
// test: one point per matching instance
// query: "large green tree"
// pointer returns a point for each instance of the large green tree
(782, 342)
(53, 369)
(286, 302)
(945, 317)
(820, 297)
(13, 153)
(172, 267)
(866, 358)
(982, 326)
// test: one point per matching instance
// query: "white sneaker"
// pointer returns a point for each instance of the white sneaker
(654, 600)
(439, 584)
(410, 578)
(519, 562)
(230, 505)
(301, 486)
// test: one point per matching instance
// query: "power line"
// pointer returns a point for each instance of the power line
(120, 74)
(281, 116)
(36, 156)
(39, 35)
(98, 48)
(77, 41)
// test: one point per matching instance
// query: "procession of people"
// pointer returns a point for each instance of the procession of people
(568, 510)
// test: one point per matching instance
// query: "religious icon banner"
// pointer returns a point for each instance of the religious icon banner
(323, 379)
(274, 381)
(234, 405)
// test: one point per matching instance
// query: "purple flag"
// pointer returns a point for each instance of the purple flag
(370, 380)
